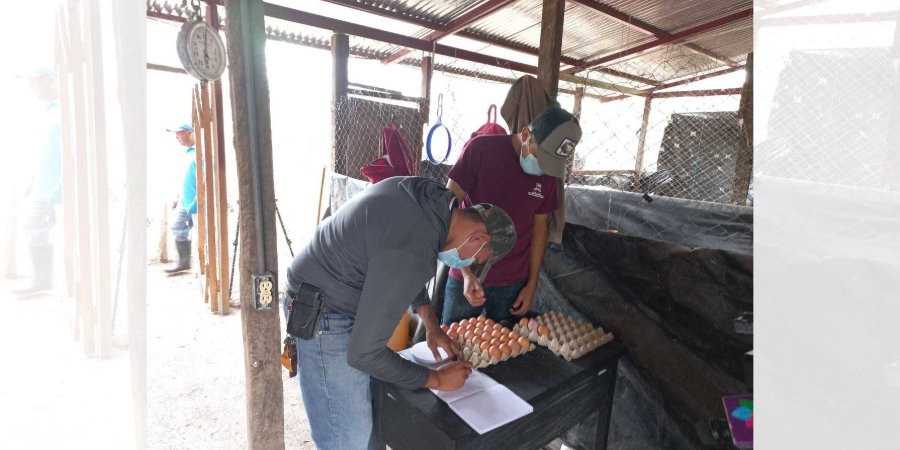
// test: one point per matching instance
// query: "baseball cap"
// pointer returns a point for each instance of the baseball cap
(559, 144)
(182, 127)
(503, 236)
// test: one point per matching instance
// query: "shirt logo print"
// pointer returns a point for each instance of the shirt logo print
(536, 191)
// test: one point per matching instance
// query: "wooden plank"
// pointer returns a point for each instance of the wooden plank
(743, 166)
(550, 50)
(100, 183)
(66, 154)
(196, 107)
(340, 54)
(209, 166)
(245, 32)
(642, 137)
(221, 175)
(84, 286)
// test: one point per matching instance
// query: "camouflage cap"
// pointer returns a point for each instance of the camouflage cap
(503, 236)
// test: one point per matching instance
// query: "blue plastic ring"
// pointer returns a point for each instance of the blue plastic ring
(428, 143)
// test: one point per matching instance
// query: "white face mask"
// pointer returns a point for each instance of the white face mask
(528, 162)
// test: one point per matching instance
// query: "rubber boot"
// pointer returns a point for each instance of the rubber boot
(42, 259)
(184, 257)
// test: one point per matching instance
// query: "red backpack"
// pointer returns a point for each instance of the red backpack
(491, 126)
(396, 157)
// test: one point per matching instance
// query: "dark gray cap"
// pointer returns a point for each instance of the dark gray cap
(503, 236)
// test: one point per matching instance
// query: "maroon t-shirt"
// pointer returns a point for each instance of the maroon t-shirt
(488, 170)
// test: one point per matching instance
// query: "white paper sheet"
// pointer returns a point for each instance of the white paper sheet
(482, 402)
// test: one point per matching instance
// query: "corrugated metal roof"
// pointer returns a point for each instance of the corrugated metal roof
(588, 33)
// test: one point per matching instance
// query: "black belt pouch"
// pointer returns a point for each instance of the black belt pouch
(305, 309)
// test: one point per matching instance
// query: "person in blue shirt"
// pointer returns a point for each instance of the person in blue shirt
(186, 205)
(45, 188)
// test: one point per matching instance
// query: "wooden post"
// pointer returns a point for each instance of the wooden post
(642, 137)
(743, 166)
(550, 51)
(196, 108)
(84, 311)
(129, 28)
(576, 111)
(205, 175)
(164, 235)
(217, 118)
(100, 183)
(340, 54)
(67, 159)
(424, 104)
(245, 32)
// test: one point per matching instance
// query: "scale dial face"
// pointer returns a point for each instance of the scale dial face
(201, 51)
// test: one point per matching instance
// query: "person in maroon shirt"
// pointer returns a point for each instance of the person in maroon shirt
(519, 174)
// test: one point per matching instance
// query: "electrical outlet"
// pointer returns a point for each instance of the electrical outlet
(264, 291)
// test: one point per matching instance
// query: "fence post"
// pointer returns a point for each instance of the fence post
(424, 105)
(340, 54)
(743, 166)
(642, 137)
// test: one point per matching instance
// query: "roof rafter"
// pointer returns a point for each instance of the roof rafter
(675, 37)
(479, 12)
(646, 28)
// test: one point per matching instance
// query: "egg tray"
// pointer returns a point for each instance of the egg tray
(485, 342)
(565, 336)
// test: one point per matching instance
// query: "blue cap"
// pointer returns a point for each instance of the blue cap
(182, 127)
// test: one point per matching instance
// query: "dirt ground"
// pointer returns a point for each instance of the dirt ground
(53, 396)
(195, 373)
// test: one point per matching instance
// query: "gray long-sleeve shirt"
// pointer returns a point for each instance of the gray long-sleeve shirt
(371, 259)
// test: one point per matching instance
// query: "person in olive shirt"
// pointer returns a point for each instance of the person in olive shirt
(371, 260)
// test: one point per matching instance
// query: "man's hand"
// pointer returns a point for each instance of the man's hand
(174, 204)
(449, 377)
(524, 300)
(473, 290)
(437, 338)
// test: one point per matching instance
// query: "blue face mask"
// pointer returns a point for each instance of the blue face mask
(528, 162)
(451, 258)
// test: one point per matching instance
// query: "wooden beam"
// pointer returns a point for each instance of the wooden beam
(99, 180)
(218, 144)
(164, 68)
(743, 166)
(340, 56)
(245, 32)
(206, 176)
(697, 93)
(675, 37)
(576, 108)
(643, 27)
(197, 122)
(642, 137)
(479, 12)
(552, 23)
(425, 104)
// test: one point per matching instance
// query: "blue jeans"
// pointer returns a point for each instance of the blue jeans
(40, 217)
(181, 225)
(337, 397)
(498, 300)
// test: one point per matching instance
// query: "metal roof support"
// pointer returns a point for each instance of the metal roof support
(698, 93)
(552, 24)
(646, 28)
(689, 80)
(681, 35)
(479, 12)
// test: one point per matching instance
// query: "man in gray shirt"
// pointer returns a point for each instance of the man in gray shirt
(371, 260)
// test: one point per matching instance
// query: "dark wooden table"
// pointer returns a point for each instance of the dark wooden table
(571, 399)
